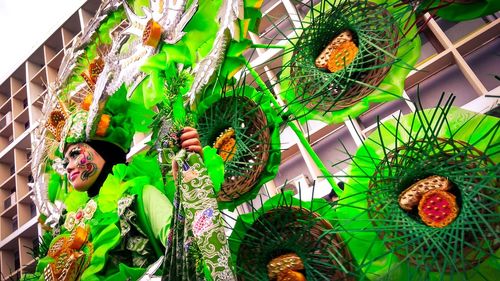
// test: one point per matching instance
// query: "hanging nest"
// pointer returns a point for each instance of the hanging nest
(244, 130)
(447, 152)
(373, 51)
(473, 186)
(290, 236)
(375, 34)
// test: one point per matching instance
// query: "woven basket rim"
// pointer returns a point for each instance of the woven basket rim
(236, 186)
(317, 233)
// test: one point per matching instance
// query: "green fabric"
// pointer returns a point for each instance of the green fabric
(363, 241)
(126, 273)
(198, 237)
(141, 174)
(159, 212)
(390, 88)
(468, 11)
(197, 197)
(215, 166)
(273, 122)
(146, 224)
(105, 238)
(75, 200)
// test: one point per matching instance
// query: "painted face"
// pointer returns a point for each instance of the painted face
(84, 165)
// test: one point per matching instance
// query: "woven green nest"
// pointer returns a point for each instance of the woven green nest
(449, 142)
(256, 155)
(286, 225)
(376, 74)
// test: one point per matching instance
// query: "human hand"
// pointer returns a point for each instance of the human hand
(190, 140)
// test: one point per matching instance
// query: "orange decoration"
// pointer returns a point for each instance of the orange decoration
(88, 78)
(91, 74)
(290, 275)
(87, 101)
(57, 247)
(103, 125)
(77, 238)
(152, 34)
(322, 60)
(67, 266)
(283, 263)
(438, 208)
(96, 67)
(226, 145)
(342, 56)
(57, 120)
(69, 260)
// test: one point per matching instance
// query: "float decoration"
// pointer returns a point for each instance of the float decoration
(173, 79)
(363, 45)
(239, 122)
(291, 238)
(421, 193)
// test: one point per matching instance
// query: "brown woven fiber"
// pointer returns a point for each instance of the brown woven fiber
(296, 230)
(248, 165)
(459, 246)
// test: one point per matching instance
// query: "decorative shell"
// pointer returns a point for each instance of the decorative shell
(284, 263)
(323, 58)
(410, 197)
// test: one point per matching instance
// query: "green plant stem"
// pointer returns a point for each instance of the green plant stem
(267, 46)
(317, 161)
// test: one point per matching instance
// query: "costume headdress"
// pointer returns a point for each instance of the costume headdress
(72, 113)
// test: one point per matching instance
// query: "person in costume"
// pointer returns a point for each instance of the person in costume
(117, 217)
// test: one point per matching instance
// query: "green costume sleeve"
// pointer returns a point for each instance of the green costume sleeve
(158, 211)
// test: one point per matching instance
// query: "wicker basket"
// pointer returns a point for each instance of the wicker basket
(462, 247)
(243, 171)
(364, 74)
(296, 230)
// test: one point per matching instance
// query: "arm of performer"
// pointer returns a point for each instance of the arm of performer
(158, 207)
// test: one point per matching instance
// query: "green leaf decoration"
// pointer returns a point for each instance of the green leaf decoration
(464, 10)
(285, 225)
(391, 243)
(254, 157)
(215, 166)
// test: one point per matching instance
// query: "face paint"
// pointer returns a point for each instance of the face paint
(83, 165)
(86, 164)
